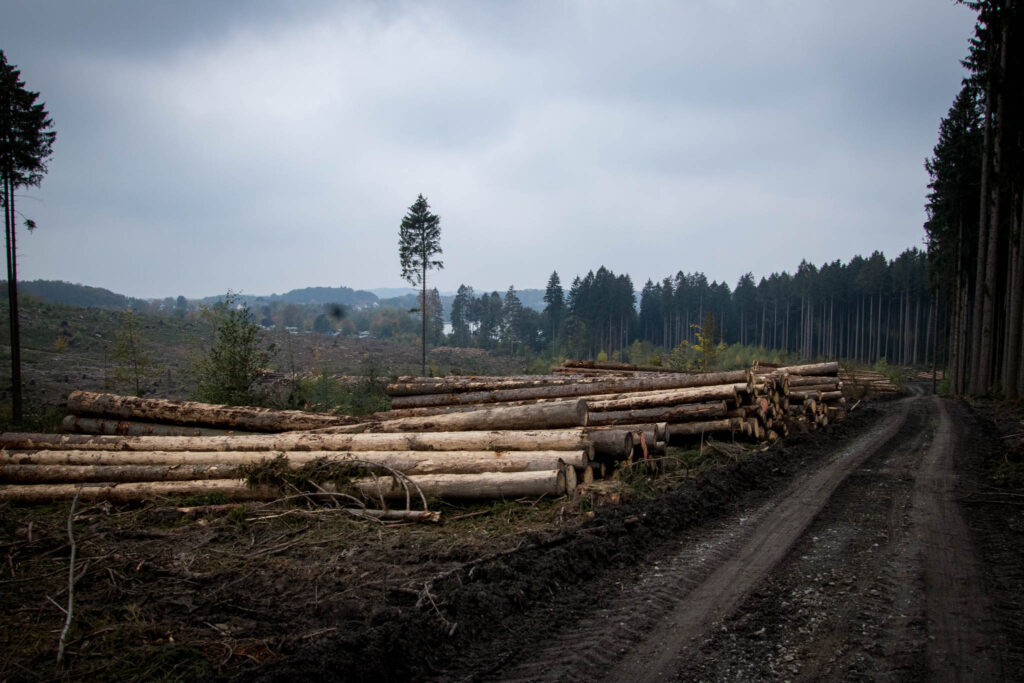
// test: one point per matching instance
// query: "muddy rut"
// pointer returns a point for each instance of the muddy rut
(860, 566)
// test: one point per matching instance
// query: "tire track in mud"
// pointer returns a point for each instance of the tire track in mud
(848, 601)
(884, 585)
(648, 623)
(961, 626)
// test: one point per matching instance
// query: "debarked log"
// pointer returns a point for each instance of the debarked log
(828, 368)
(77, 474)
(469, 486)
(136, 491)
(539, 416)
(655, 399)
(805, 395)
(191, 413)
(448, 385)
(614, 444)
(818, 382)
(671, 414)
(626, 367)
(611, 386)
(489, 440)
(732, 424)
(174, 465)
(77, 424)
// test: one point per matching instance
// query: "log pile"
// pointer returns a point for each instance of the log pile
(811, 396)
(865, 383)
(456, 437)
(472, 464)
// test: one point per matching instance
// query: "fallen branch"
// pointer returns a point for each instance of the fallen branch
(69, 612)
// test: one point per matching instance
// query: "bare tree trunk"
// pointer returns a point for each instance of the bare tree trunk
(1011, 364)
(10, 223)
(423, 317)
(973, 381)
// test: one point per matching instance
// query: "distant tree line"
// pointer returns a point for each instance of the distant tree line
(867, 309)
(975, 225)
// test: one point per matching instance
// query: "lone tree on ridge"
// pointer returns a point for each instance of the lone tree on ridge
(419, 239)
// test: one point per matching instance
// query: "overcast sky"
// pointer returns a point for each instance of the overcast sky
(265, 146)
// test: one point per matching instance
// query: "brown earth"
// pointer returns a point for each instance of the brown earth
(878, 549)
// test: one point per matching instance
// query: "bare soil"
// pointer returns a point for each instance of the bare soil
(881, 548)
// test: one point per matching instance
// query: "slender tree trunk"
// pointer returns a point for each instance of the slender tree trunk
(423, 316)
(871, 330)
(889, 341)
(878, 330)
(973, 381)
(764, 309)
(1011, 365)
(10, 225)
(775, 325)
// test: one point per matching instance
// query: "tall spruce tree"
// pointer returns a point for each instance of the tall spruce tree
(554, 311)
(419, 240)
(511, 319)
(461, 316)
(26, 142)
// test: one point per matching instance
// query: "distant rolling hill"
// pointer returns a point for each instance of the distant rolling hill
(69, 294)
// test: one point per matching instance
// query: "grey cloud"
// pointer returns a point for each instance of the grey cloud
(261, 147)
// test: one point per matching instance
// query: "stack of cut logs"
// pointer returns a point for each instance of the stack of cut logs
(863, 383)
(454, 437)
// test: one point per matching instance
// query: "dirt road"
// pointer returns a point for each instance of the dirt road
(877, 549)
(863, 566)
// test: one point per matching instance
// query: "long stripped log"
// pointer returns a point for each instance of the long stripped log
(488, 440)
(408, 462)
(192, 413)
(543, 416)
(470, 486)
(77, 424)
(617, 386)
(680, 413)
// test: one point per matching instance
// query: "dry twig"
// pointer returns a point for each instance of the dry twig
(69, 612)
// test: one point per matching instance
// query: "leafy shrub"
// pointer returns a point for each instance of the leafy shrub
(229, 372)
(326, 393)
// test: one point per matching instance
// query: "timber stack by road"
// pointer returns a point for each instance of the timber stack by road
(453, 437)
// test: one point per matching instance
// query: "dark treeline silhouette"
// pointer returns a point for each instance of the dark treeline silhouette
(867, 309)
(975, 207)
